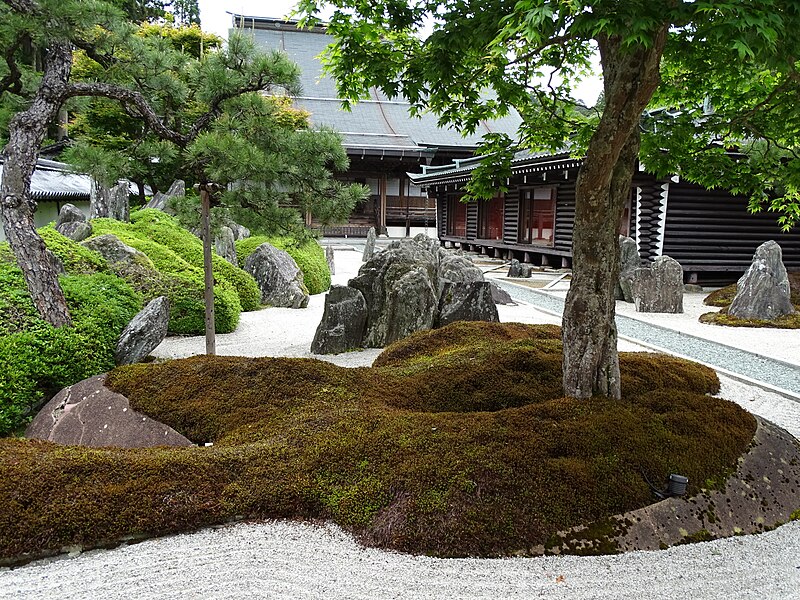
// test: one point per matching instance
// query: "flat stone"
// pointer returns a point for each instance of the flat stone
(89, 414)
(77, 231)
(115, 250)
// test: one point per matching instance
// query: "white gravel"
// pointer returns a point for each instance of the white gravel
(284, 559)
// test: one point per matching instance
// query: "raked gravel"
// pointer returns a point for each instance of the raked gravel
(285, 559)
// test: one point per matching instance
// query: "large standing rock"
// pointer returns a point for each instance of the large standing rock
(629, 261)
(224, 245)
(514, 270)
(342, 325)
(145, 331)
(329, 258)
(466, 301)
(659, 287)
(115, 250)
(161, 201)
(72, 223)
(119, 202)
(763, 291)
(369, 246)
(278, 276)
(89, 414)
(99, 195)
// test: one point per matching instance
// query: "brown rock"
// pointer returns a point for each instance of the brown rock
(89, 414)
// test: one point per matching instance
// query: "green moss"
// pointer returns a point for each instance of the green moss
(310, 258)
(414, 472)
(177, 278)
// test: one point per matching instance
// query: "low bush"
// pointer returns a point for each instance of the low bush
(310, 258)
(403, 455)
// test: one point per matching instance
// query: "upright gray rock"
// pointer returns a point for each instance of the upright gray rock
(98, 200)
(224, 245)
(514, 270)
(369, 246)
(629, 261)
(72, 223)
(115, 250)
(144, 333)
(763, 291)
(89, 414)
(659, 287)
(161, 201)
(466, 301)
(119, 202)
(329, 258)
(240, 232)
(500, 296)
(278, 276)
(343, 321)
(525, 270)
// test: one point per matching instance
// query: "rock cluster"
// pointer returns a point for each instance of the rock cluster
(763, 291)
(72, 223)
(410, 286)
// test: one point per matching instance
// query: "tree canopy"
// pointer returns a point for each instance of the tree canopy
(486, 57)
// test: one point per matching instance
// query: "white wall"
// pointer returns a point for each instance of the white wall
(47, 212)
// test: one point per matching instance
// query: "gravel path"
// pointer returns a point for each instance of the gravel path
(281, 559)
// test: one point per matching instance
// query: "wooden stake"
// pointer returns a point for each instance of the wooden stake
(205, 198)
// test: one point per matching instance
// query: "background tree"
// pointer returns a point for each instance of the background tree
(144, 87)
(529, 52)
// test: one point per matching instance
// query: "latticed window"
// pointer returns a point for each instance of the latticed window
(537, 215)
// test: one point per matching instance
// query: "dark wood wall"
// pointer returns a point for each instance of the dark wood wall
(710, 230)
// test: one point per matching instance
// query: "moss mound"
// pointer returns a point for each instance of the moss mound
(724, 296)
(406, 455)
(310, 258)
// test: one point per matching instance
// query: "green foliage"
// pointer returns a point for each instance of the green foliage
(305, 438)
(75, 258)
(308, 255)
(40, 359)
(181, 280)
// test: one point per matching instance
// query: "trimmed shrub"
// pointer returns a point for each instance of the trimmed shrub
(310, 258)
(39, 359)
(176, 278)
(76, 259)
(165, 230)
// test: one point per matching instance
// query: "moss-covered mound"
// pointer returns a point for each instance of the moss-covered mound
(310, 258)
(38, 359)
(178, 259)
(724, 296)
(415, 455)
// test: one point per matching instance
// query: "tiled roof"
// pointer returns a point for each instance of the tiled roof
(380, 116)
(54, 181)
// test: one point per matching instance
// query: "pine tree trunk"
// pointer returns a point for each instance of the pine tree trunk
(27, 130)
(589, 334)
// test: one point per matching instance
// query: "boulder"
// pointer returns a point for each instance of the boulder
(369, 246)
(145, 331)
(224, 245)
(629, 261)
(763, 291)
(119, 202)
(329, 258)
(240, 232)
(75, 230)
(525, 270)
(659, 287)
(466, 301)
(72, 223)
(411, 304)
(343, 320)
(115, 250)
(500, 296)
(514, 270)
(456, 268)
(278, 276)
(161, 200)
(70, 213)
(98, 199)
(89, 414)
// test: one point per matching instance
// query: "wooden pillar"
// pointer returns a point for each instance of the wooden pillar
(382, 217)
(205, 200)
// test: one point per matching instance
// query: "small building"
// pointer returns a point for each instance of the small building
(383, 141)
(53, 185)
(709, 232)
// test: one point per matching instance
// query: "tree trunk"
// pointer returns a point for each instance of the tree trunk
(27, 130)
(589, 334)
